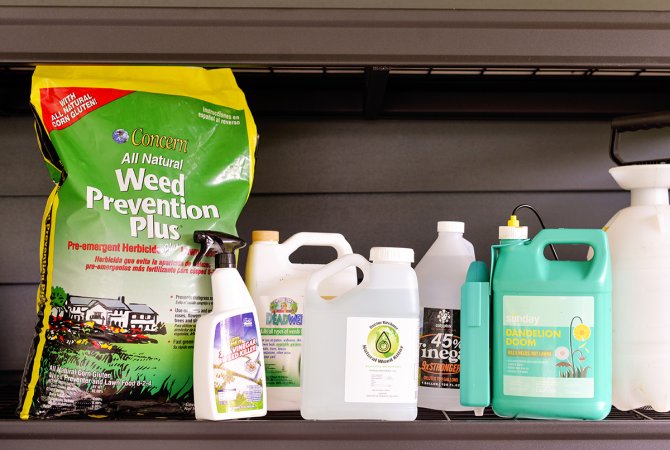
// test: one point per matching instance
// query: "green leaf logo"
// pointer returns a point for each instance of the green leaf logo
(383, 343)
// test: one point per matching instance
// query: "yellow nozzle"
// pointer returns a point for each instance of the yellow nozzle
(513, 221)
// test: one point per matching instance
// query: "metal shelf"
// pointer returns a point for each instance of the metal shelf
(375, 63)
(338, 37)
(432, 429)
(424, 92)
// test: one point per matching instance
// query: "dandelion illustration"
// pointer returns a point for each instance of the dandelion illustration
(562, 353)
(582, 332)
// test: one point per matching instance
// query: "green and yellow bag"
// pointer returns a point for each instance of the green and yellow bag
(141, 157)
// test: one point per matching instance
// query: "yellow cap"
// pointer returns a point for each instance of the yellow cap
(513, 221)
(264, 235)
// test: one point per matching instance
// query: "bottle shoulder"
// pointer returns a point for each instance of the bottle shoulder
(450, 246)
(218, 316)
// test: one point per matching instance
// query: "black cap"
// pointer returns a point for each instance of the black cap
(222, 244)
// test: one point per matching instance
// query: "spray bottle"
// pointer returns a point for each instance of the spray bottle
(550, 334)
(228, 368)
(639, 237)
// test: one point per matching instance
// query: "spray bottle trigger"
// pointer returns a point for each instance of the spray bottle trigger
(206, 243)
(223, 245)
(475, 344)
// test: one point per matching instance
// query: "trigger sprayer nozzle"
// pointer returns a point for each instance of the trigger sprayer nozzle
(222, 244)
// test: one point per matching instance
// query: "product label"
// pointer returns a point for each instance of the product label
(139, 171)
(548, 346)
(381, 360)
(281, 330)
(237, 365)
(440, 349)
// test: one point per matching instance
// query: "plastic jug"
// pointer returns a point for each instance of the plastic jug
(360, 349)
(639, 238)
(440, 273)
(277, 287)
(551, 330)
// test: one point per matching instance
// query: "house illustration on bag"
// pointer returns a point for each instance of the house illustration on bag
(112, 312)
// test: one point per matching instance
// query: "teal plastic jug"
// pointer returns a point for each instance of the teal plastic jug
(551, 330)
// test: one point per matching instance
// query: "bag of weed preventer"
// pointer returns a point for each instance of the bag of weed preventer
(141, 157)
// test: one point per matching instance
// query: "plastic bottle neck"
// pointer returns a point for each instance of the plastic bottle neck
(394, 263)
(449, 234)
(228, 290)
(391, 275)
(511, 241)
(649, 196)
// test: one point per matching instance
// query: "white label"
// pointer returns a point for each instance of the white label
(381, 361)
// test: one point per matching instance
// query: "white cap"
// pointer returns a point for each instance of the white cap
(450, 226)
(512, 232)
(391, 254)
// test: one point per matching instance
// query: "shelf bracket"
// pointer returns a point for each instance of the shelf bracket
(376, 79)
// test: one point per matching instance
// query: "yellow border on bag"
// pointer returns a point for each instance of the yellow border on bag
(217, 86)
(52, 205)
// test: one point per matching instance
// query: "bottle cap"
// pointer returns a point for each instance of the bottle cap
(513, 221)
(508, 232)
(451, 226)
(391, 254)
(265, 235)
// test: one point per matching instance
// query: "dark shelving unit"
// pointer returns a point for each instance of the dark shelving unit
(338, 64)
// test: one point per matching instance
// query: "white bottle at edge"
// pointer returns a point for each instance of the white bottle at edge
(441, 273)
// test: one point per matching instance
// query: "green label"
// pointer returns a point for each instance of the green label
(548, 346)
(281, 331)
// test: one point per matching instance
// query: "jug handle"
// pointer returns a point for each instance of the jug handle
(646, 121)
(595, 238)
(334, 240)
(337, 266)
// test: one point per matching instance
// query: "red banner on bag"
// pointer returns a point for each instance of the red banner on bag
(61, 107)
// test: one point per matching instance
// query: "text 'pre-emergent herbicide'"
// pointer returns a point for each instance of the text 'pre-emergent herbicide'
(141, 157)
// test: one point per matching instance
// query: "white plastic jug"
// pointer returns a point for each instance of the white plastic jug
(639, 238)
(277, 287)
(441, 273)
(360, 349)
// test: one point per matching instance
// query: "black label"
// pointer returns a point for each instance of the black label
(440, 349)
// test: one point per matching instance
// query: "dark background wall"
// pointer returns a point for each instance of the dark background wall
(379, 182)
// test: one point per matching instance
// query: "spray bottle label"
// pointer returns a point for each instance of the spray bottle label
(439, 349)
(238, 369)
(381, 360)
(548, 346)
(281, 331)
